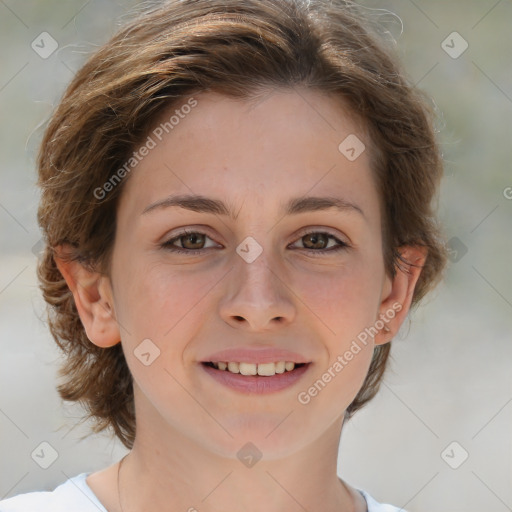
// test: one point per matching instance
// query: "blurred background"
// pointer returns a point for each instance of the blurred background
(437, 437)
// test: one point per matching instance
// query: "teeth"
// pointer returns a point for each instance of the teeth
(280, 367)
(248, 368)
(234, 367)
(267, 369)
(263, 369)
(289, 366)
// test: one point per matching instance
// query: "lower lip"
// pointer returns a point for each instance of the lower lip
(255, 383)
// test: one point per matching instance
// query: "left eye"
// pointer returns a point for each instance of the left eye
(314, 242)
(314, 239)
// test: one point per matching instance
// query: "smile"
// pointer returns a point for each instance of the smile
(256, 378)
(262, 369)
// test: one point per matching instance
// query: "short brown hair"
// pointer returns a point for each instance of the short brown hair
(178, 48)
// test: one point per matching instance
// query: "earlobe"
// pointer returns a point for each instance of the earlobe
(93, 297)
(398, 292)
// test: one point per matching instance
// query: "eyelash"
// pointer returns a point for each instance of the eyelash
(191, 252)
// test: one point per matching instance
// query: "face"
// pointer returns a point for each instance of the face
(259, 281)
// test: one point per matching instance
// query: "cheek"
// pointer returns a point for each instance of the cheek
(345, 306)
(158, 299)
(345, 298)
(165, 306)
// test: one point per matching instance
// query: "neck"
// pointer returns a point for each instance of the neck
(180, 474)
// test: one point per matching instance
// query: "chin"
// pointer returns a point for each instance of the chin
(269, 437)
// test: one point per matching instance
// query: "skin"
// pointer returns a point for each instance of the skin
(253, 155)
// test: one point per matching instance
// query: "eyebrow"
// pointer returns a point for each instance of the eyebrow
(202, 204)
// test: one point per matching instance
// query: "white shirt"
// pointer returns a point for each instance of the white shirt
(76, 496)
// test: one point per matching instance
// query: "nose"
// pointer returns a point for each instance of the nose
(258, 296)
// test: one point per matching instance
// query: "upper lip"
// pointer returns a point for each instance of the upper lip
(260, 355)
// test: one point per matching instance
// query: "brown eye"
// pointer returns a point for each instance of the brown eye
(188, 242)
(192, 240)
(316, 240)
(317, 243)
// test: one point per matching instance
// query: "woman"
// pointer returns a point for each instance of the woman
(236, 199)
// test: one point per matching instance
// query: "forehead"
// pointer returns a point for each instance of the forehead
(280, 143)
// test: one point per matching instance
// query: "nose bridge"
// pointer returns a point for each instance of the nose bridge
(257, 291)
(259, 273)
(256, 270)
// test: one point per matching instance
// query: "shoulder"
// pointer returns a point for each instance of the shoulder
(74, 494)
(374, 506)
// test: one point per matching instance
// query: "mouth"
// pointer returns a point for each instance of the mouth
(255, 378)
(255, 369)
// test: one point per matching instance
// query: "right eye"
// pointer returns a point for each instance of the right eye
(187, 238)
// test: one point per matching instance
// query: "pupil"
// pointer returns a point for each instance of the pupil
(193, 237)
(315, 237)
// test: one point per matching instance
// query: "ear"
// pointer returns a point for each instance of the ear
(398, 292)
(93, 296)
